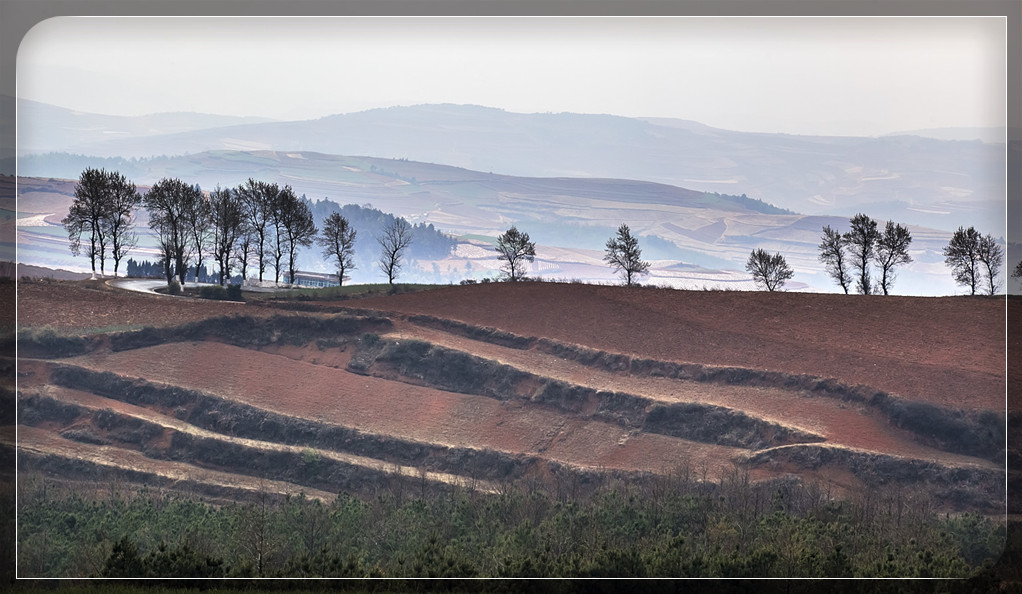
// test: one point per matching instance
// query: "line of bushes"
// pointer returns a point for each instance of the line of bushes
(216, 292)
(47, 343)
(249, 331)
(961, 487)
(239, 330)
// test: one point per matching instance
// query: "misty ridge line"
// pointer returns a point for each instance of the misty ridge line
(925, 183)
(206, 120)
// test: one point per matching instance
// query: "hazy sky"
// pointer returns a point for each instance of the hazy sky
(845, 76)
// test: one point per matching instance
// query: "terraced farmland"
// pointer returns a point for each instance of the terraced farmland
(561, 386)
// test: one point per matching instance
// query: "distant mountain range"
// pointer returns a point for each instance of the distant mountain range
(917, 180)
(988, 135)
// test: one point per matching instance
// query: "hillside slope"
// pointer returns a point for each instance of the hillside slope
(550, 383)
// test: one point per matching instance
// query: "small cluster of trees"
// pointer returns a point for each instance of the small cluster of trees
(848, 256)
(975, 260)
(256, 223)
(147, 269)
(255, 220)
(103, 212)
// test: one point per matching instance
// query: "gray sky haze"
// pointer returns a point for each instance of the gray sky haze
(860, 76)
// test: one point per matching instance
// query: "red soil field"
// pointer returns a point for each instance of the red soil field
(321, 393)
(842, 423)
(72, 306)
(948, 350)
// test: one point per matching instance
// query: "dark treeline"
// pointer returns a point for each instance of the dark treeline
(147, 269)
(674, 526)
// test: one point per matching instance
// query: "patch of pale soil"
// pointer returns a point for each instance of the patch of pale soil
(297, 388)
(841, 423)
(42, 442)
(337, 358)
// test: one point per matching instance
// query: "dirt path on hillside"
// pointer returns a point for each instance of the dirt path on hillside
(42, 442)
(841, 423)
(95, 402)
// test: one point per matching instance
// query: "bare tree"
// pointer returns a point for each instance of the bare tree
(227, 218)
(258, 216)
(122, 199)
(1017, 273)
(516, 250)
(624, 255)
(168, 202)
(273, 196)
(338, 241)
(395, 240)
(256, 532)
(961, 254)
(770, 271)
(164, 238)
(991, 256)
(297, 226)
(832, 254)
(200, 224)
(891, 250)
(86, 215)
(861, 241)
(244, 248)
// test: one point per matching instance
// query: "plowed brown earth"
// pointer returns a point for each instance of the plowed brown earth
(72, 306)
(948, 350)
(170, 425)
(841, 423)
(321, 393)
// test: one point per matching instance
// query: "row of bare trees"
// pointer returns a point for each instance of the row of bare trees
(975, 260)
(231, 225)
(256, 220)
(265, 225)
(256, 224)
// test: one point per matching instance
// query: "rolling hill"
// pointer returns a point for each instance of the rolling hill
(474, 386)
(922, 181)
(693, 238)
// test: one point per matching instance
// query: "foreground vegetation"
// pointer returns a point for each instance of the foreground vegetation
(676, 527)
